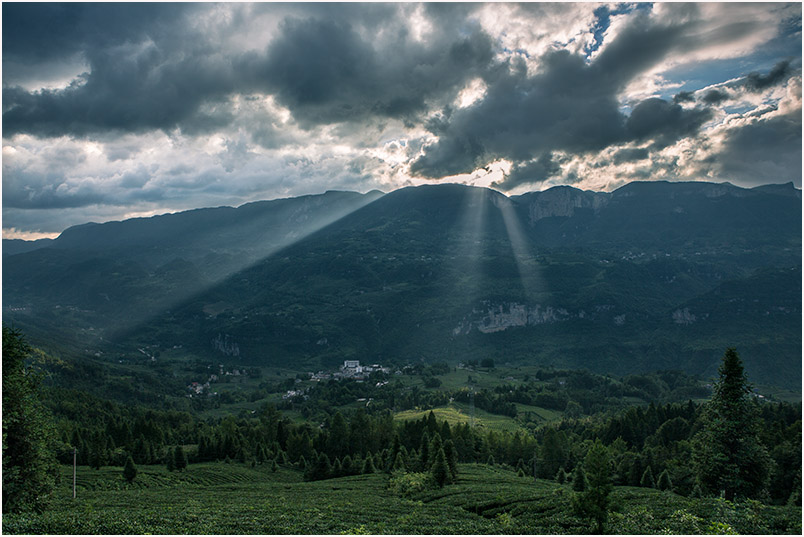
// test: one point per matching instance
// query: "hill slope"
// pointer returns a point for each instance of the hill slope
(643, 278)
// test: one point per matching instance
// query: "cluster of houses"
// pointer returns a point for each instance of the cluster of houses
(351, 369)
(198, 388)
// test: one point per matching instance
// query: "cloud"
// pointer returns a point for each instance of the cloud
(715, 97)
(532, 172)
(116, 109)
(664, 122)
(755, 82)
(570, 105)
(763, 151)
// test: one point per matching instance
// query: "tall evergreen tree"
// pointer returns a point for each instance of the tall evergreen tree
(425, 460)
(452, 457)
(561, 476)
(594, 501)
(368, 465)
(579, 479)
(727, 454)
(440, 469)
(180, 458)
(171, 460)
(29, 463)
(647, 480)
(130, 470)
(664, 482)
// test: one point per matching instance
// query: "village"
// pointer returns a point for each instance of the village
(351, 369)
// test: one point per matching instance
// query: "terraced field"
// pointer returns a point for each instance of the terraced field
(220, 498)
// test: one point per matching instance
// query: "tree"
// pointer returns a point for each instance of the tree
(647, 480)
(727, 454)
(452, 457)
(561, 476)
(440, 469)
(180, 458)
(29, 462)
(594, 501)
(664, 482)
(368, 465)
(579, 483)
(399, 464)
(130, 470)
(171, 460)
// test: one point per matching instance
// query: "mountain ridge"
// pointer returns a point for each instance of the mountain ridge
(618, 286)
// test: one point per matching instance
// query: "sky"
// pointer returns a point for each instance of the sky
(113, 111)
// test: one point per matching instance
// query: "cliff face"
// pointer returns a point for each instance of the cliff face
(498, 317)
(562, 201)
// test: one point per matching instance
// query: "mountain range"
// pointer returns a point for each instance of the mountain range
(654, 275)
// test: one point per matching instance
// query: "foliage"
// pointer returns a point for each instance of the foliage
(412, 483)
(593, 502)
(29, 463)
(728, 455)
(218, 498)
(130, 470)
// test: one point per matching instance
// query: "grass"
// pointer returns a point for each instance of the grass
(456, 413)
(218, 498)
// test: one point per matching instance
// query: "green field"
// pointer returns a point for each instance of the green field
(457, 413)
(219, 498)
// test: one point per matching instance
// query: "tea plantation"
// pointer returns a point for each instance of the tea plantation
(233, 498)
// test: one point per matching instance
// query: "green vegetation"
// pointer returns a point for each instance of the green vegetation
(28, 442)
(218, 498)
(615, 459)
(728, 454)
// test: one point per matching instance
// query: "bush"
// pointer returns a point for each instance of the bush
(410, 484)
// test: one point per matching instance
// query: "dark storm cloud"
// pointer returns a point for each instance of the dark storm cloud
(34, 32)
(766, 151)
(142, 72)
(755, 82)
(664, 122)
(568, 106)
(535, 171)
(684, 97)
(326, 69)
(715, 97)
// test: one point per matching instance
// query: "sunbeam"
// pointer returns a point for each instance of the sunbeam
(532, 282)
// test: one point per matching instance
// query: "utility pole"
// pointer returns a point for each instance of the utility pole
(472, 405)
(75, 451)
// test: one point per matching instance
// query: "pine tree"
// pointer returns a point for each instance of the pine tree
(664, 482)
(579, 479)
(594, 501)
(368, 465)
(490, 461)
(425, 460)
(348, 465)
(129, 470)
(180, 458)
(727, 454)
(399, 463)
(171, 460)
(561, 476)
(452, 458)
(29, 463)
(440, 468)
(647, 480)
(337, 468)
